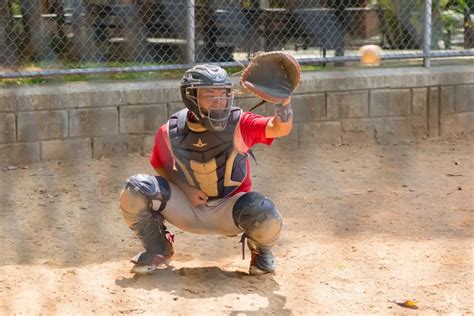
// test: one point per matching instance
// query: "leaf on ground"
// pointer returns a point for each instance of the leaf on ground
(406, 303)
(132, 311)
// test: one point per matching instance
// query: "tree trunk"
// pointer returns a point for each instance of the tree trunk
(209, 30)
(84, 43)
(339, 12)
(33, 35)
(8, 53)
(468, 29)
(135, 44)
(61, 41)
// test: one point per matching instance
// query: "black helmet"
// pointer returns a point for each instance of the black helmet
(206, 76)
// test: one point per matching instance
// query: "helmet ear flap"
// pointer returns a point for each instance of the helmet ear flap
(189, 98)
(191, 101)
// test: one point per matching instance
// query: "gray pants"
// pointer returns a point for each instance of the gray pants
(214, 218)
(147, 201)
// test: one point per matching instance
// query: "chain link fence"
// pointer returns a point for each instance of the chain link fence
(61, 37)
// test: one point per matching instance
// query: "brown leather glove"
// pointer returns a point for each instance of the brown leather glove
(272, 76)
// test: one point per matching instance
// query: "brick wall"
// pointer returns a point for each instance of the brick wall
(93, 120)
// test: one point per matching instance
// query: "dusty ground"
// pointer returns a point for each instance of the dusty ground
(363, 225)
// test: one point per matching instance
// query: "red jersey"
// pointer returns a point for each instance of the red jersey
(250, 131)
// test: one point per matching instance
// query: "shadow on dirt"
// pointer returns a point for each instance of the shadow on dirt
(212, 282)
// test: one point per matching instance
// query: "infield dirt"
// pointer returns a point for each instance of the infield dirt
(363, 225)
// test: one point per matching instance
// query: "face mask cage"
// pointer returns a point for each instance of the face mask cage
(216, 115)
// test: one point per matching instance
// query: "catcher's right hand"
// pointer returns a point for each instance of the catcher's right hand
(272, 76)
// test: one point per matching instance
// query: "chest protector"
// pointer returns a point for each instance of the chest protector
(207, 160)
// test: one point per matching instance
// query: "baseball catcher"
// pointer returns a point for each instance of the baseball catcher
(203, 184)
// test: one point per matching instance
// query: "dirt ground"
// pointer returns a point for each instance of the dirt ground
(363, 225)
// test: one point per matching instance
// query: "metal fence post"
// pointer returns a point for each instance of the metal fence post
(190, 32)
(427, 34)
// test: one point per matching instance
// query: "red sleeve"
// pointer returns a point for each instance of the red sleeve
(252, 128)
(161, 156)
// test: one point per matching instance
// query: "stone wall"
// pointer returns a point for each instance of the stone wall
(93, 120)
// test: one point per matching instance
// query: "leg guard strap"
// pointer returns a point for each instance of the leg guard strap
(155, 189)
(153, 235)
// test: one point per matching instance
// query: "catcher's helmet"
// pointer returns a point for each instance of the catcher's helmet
(206, 76)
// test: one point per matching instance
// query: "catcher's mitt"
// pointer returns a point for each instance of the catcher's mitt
(272, 76)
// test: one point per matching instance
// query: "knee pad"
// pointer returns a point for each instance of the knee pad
(258, 218)
(145, 191)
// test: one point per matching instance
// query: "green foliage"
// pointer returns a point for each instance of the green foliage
(466, 4)
(397, 22)
(447, 17)
(277, 4)
(457, 5)
(15, 7)
(452, 19)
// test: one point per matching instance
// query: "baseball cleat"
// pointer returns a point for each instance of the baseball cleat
(262, 261)
(139, 268)
(255, 270)
(147, 267)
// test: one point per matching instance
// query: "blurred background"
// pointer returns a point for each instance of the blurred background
(51, 37)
